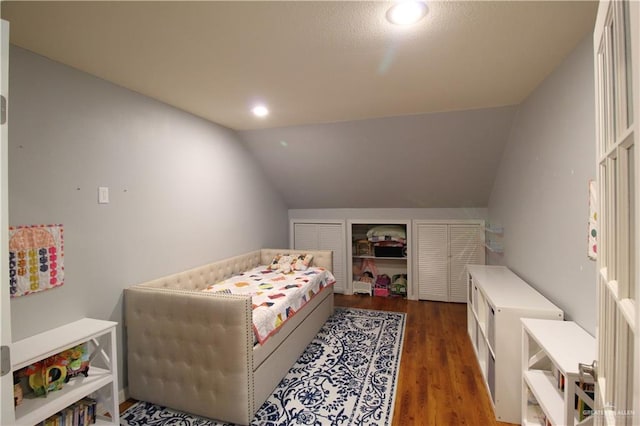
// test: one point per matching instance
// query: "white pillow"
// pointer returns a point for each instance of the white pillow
(302, 262)
(393, 231)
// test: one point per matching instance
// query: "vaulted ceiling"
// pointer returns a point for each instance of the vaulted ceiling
(422, 161)
(407, 107)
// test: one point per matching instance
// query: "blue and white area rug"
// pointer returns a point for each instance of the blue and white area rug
(346, 376)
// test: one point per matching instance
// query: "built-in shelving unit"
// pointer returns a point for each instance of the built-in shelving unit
(101, 383)
(496, 300)
(401, 259)
(493, 247)
(396, 261)
(494, 229)
(551, 388)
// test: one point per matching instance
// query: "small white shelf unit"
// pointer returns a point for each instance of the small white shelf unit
(101, 383)
(494, 247)
(550, 349)
(496, 300)
(493, 240)
(494, 229)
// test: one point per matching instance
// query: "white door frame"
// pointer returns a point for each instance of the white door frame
(7, 414)
(635, 38)
(618, 316)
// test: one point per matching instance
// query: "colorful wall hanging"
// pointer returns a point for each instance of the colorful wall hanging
(592, 239)
(35, 258)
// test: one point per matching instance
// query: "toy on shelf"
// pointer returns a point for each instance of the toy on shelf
(47, 375)
(77, 359)
(382, 285)
(399, 285)
(364, 248)
(50, 374)
(17, 390)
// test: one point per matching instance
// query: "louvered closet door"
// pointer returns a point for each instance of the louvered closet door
(464, 248)
(331, 237)
(432, 262)
(305, 236)
(324, 236)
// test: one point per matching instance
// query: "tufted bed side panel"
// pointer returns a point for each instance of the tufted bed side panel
(193, 351)
(192, 347)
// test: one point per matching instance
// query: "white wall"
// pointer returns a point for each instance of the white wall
(184, 191)
(540, 193)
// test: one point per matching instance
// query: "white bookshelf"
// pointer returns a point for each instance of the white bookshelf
(496, 300)
(551, 349)
(101, 383)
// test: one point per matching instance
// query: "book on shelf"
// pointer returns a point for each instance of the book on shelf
(81, 413)
(584, 407)
(559, 379)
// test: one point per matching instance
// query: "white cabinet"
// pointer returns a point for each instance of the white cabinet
(442, 252)
(551, 352)
(307, 235)
(496, 301)
(101, 383)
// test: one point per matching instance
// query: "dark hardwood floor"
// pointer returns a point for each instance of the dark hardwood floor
(440, 383)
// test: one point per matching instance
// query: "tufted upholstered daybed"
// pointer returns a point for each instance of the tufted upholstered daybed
(194, 351)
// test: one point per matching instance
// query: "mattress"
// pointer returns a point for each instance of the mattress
(275, 296)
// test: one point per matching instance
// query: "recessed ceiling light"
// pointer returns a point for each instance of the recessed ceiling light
(260, 111)
(407, 12)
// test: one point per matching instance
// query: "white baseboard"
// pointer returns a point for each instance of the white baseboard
(123, 395)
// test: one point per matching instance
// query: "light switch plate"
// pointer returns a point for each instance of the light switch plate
(103, 195)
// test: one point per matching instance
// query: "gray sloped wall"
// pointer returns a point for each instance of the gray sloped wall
(540, 194)
(184, 191)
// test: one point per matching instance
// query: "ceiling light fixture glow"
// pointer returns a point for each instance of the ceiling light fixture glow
(260, 111)
(407, 12)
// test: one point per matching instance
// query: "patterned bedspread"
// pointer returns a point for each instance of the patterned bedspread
(276, 297)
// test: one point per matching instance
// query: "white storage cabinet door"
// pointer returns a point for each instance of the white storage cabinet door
(324, 236)
(331, 237)
(305, 236)
(465, 248)
(433, 279)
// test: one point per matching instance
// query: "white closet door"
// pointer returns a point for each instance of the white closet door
(464, 248)
(324, 236)
(432, 262)
(331, 237)
(305, 236)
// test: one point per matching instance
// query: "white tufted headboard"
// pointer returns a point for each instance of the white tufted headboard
(193, 350)
(200, 277)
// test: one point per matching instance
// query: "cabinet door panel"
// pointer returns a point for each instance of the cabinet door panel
(432, 262)
(464, 248)
(305, 236)
(331, 237)
(324, 236)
